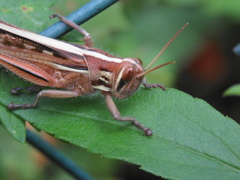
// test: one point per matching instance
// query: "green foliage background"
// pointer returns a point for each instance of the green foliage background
(191, 139)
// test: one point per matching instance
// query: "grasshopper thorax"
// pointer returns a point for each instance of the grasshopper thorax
(126, 79)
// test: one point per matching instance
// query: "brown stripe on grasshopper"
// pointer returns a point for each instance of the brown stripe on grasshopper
(15, 42)
(21, 69)
(78, 70)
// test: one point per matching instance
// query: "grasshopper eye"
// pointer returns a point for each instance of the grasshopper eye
(127, 74)
(139, 61)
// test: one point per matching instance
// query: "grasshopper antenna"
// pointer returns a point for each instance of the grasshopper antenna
(160, 53)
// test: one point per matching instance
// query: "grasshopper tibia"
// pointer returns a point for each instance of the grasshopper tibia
(17, 90)
(117, 116)
(14, 106)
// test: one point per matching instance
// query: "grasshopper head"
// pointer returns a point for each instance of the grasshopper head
(127, 81)
(130, 76)
(130, 72)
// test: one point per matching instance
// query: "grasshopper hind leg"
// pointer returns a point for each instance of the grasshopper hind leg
(87, 36)
(45, 93)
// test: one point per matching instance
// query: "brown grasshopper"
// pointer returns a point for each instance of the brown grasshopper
(78, 70)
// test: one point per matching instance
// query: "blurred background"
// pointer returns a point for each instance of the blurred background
(205, 67)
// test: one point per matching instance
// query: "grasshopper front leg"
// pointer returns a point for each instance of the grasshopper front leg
(45, 93)
(117, 116)
(147, 85)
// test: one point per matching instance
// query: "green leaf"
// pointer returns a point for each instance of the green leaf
(14, 125)
(191, 139)
(31, 15)
(27, 14)
(11, 122)
(233, 90)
